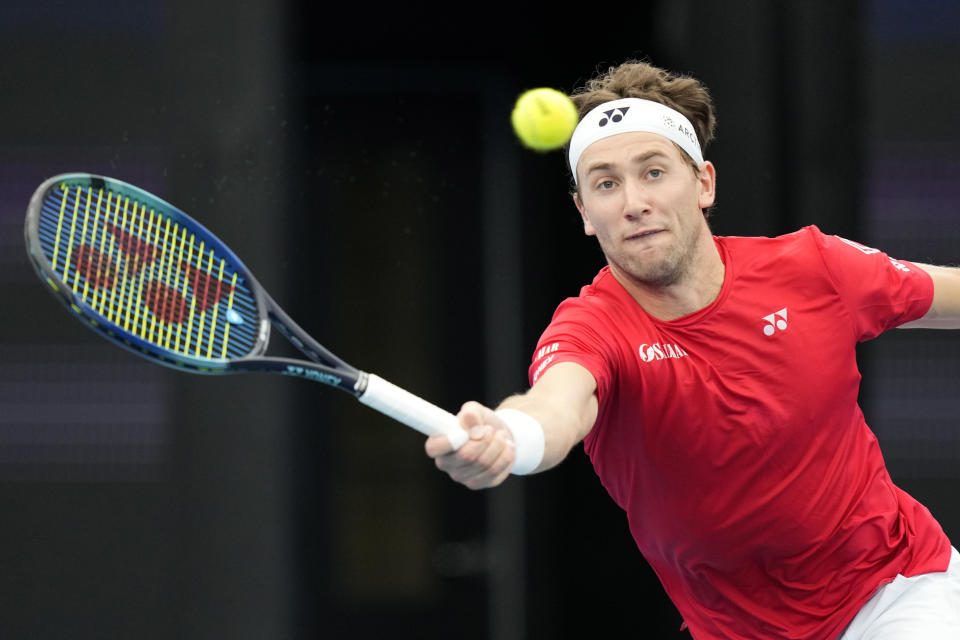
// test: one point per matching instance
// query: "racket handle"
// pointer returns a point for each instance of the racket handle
(411, 410)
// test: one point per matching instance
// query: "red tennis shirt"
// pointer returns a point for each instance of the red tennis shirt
(733, 439)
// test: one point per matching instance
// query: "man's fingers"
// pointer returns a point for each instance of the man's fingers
(467, 455)
(485, 459)
(471, 419)
(437, 446)
(472, 414)
(491, 467)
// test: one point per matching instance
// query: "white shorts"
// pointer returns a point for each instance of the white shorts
(923, 607)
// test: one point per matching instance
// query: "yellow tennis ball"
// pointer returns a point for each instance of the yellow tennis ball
(544, 118)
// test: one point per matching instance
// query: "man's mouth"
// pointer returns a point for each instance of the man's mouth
(643, 234)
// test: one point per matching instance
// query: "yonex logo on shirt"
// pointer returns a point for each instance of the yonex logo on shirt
(775, 321)
(658, 351)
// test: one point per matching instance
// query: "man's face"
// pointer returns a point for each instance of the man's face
(641, 199)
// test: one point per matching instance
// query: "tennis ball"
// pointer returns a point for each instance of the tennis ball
(544, 118)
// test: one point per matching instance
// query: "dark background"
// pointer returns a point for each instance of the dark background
(359, 158)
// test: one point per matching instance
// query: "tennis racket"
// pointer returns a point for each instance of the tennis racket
(152, 280)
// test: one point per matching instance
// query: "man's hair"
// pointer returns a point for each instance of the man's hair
(637, 79)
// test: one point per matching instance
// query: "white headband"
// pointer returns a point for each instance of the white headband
(633, 114)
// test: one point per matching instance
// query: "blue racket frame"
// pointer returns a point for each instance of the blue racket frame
(324, 367)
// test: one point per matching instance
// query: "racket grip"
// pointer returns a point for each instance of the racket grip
(411, 410)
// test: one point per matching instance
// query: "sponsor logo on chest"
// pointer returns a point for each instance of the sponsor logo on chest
(661, 351)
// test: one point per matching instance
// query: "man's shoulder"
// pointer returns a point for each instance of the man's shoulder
(803, 235)
(796, 245)
(601, 292)
(594, 302)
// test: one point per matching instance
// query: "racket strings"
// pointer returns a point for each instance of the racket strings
(147, 273)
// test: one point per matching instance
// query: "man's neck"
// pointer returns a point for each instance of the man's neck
(696, 289)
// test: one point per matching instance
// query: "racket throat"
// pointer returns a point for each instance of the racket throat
(360, 388)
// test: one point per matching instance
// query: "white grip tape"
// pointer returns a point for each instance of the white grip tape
(528, 438)
(411, 410)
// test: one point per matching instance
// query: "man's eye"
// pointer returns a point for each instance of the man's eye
(606, 184)
(655, 173)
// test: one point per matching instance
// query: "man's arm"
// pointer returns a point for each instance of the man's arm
(563, 401)
(944, 312)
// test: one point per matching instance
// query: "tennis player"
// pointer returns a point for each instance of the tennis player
(713, 383)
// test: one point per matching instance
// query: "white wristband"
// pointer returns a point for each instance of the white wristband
(528, 437)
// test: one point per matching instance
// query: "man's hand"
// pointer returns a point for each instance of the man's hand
(485, 460)
(563, 403)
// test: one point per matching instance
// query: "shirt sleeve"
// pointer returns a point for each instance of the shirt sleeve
(880, 292)
(572, 336)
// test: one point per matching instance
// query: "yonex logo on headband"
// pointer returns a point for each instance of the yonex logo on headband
(633, 114)
(614, 115)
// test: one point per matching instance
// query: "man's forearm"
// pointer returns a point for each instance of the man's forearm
(562, 427)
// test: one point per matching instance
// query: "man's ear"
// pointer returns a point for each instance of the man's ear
(587, 227)
(707, 178)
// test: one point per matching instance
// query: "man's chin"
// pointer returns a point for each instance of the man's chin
(662, 274)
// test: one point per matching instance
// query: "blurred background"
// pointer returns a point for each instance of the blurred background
(359, 159)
